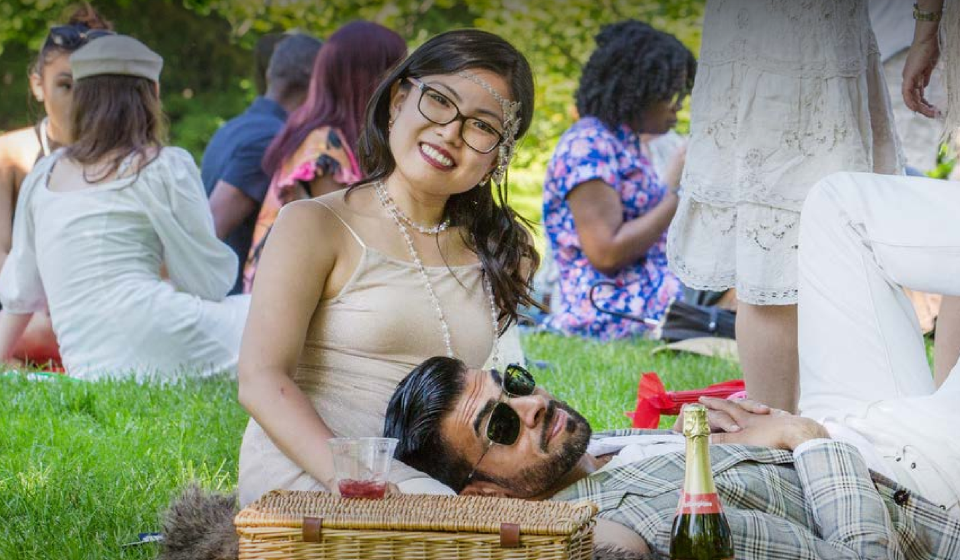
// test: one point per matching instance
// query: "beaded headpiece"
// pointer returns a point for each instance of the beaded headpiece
(511, 125)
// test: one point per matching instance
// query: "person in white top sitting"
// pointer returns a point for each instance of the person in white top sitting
(101, 223)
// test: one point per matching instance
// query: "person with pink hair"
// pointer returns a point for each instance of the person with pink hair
(314, 153)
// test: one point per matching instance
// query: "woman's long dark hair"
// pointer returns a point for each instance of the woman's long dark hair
(492, 229)
(347, 69)
(113, 117)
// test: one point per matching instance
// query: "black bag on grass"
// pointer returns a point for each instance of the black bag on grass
(681, 320)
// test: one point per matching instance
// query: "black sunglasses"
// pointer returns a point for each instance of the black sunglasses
(503, 424)
(72, 37)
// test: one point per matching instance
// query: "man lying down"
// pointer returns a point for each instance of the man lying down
(788, 490)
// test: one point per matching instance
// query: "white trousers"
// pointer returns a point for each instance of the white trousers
(863, 364)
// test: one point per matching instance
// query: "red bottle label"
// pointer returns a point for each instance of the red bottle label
(698, 503)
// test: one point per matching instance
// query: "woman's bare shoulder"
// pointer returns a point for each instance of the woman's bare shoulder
(358, 201)
(18, 153)
(310, 219)
(19, 147)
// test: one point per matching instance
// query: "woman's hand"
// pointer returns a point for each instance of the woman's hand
(921, 60)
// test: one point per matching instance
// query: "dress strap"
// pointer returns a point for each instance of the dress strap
(342, 221)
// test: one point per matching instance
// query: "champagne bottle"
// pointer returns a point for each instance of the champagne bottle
(700, 530)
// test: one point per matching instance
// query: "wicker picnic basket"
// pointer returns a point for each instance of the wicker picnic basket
(315, 525)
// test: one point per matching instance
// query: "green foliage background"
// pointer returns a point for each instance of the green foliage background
(207, 48)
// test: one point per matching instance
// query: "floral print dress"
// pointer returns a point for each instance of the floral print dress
(588, 151)
(324, 153)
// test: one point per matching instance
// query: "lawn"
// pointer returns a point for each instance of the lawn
(84, 467)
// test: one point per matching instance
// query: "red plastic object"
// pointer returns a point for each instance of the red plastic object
(653, 399)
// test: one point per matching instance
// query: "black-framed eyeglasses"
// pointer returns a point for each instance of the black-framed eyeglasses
(72, 37)
(503, 424)
(440, 109)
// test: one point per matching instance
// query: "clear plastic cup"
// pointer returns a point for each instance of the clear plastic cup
(362, 465)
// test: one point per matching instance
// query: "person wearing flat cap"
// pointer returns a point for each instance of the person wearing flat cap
(117, 55)
(97, 221)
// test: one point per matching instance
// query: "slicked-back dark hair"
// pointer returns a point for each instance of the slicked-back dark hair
(425, 396)
(633, 67)
(491, 228)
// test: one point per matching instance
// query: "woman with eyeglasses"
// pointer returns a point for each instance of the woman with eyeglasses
(98, 220)
(356, 287)
(605, 209)
(51, 84)
(315, 152)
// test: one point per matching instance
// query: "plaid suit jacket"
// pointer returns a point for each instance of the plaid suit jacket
(825, 504)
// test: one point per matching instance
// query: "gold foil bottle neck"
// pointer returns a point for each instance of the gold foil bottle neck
(695, 421)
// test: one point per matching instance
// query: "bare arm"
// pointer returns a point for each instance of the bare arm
(280, 313)
(230, 207)
(11, 173)
(921, 60)
(7, 204)
(613, 540)
(12, 327)
(609, 242)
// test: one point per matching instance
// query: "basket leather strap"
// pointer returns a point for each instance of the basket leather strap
(311, 529)
(509, 535)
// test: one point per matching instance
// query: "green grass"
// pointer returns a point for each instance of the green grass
(84, 467)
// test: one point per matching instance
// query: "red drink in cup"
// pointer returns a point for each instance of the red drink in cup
(369, 489)
(362, 465)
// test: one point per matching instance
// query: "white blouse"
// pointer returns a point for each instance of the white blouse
(94, 256)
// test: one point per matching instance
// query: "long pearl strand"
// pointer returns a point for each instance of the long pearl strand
(387, 202)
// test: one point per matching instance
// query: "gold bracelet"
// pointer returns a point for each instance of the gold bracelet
(920, 15)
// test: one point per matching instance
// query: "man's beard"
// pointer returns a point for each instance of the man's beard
(536, 480)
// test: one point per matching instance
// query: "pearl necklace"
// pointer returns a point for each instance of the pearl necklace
(395, 213)
(387, 201)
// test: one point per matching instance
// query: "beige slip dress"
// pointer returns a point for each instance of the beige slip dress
(361, 343)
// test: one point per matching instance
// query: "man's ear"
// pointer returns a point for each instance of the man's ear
(485, 488)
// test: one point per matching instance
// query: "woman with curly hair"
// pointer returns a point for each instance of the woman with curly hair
(605, 208)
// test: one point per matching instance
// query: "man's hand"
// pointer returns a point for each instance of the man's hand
(721, 420)
(778, 428)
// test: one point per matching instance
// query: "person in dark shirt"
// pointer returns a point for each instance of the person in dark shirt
(232, 173)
